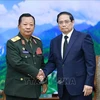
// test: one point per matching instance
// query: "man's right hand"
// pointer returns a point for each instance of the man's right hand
(40, 75)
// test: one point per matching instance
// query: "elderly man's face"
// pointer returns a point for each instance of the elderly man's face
(26, 27)
(65, 23)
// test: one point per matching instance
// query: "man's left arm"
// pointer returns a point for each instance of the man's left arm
(90, 63)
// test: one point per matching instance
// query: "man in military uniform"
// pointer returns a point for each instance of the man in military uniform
(24, 60)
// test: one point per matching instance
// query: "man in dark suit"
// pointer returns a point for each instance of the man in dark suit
(72, 54)
(24, 59)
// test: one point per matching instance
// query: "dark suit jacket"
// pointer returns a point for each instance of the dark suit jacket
(23, 64)
(77, 68)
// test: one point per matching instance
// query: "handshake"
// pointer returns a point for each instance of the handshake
(40, 75)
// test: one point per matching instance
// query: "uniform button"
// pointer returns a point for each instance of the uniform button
(21, 79)
(34, 62)
(25, 56)
(33, 55)
(28, 74)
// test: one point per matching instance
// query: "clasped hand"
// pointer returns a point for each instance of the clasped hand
(40, 75)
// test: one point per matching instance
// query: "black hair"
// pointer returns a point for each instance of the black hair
(67, 13)
(25, 15)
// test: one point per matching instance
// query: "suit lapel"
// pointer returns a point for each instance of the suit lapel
(27, 47)
(26, 44)
(59, 45)
(71, 42)
(34, 45)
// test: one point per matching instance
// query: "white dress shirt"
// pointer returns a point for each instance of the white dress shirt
(63, 39)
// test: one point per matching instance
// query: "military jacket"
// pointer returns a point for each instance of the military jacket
(23, 64)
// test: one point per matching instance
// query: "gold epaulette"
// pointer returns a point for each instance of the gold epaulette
(16, 38)
(35, 37)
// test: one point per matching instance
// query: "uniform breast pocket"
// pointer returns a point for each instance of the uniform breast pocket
(26, 57)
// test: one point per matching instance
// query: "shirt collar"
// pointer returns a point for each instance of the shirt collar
(29, 39)
(69, 34)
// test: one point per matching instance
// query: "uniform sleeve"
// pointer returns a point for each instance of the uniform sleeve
(14, 60)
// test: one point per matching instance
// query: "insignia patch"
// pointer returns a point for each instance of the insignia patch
(34, 41)
(24, 51)
(16, 38)
(38, 51)
(23, 42)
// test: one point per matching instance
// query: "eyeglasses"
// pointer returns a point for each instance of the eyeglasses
(65, 21)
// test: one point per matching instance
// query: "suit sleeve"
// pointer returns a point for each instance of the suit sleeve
(45, 81)
(50, 66)
(90, 60)
(14, 60)
(42, 61)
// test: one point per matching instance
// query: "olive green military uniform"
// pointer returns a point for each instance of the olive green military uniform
(23, 64)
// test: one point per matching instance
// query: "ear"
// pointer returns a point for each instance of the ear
(73, 22)
(19, 27)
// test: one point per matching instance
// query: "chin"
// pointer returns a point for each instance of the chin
(28, 34)
(65, 32)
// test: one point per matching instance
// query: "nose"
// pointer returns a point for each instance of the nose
(28, 26)
(63, 24)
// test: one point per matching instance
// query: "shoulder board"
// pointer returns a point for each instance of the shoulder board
(16, 38)
(36, 37)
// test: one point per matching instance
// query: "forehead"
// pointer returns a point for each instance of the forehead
(64, 17)
(27, 19)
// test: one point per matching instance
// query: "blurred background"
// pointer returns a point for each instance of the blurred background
(87, 20)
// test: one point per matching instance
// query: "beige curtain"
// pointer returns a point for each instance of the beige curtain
(97, 79)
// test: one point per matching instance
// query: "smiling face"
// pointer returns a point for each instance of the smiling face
(26, 27)
(65, 24)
